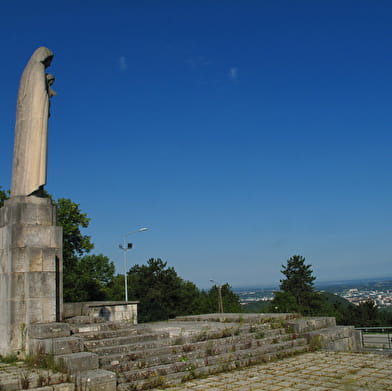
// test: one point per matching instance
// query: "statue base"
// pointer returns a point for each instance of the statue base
(30, 269)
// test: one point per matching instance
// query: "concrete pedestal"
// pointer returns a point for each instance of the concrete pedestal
(30, 269)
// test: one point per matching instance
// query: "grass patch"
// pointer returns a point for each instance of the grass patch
(315, 343)
(9, 359)
(46, 361)
(260, 334)
(154, 382)
(24, 378)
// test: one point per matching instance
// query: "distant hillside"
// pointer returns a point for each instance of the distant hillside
(326, 285)
(332, 299)
(262, 306)
(256, 307)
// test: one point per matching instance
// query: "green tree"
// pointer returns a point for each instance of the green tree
(299, 280)
(116, 288)
(367, 314)
(284, 302)
(230, 300)
(161, 292)
(71, 218)
(4, 195)
(98, 267)
(92, 275)
(298, 285)
(189, 299)
(75, 245)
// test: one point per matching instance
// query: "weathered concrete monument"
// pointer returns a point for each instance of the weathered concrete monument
(30, 240)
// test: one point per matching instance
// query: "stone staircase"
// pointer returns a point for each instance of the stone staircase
(106, 356)
(69, 355)
(19, 375)
(168, 353)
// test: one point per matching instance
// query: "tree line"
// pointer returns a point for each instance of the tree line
(298, 294)
(163, 294)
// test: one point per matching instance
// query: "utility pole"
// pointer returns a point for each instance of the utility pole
(220, 301)
(125, 247)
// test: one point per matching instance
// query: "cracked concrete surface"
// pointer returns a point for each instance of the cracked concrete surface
(318, 371)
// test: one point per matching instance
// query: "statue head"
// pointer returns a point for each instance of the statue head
(43, 55)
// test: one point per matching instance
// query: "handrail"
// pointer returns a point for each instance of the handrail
(382, 330)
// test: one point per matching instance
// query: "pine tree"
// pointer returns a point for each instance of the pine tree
(299, 280)
(297, 293)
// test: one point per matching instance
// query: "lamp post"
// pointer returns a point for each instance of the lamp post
(220, 301)
(127, 246)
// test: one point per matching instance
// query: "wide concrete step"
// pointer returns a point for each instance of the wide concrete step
(239, 318)
(231, 331)
(77, 362)
(56, 346)
(95, 380)
(92, 345)
(20, 376)
(221, 362)
(48, 330)
(129, 348)
(254, 328)
(306, 325)
(91, 329)
(107, 334)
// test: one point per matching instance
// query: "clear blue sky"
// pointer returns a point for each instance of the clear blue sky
(239, 132)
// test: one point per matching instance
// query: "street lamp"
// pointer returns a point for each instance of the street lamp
(127, 246)
(220, 301)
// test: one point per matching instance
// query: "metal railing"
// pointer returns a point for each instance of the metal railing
(376, 337)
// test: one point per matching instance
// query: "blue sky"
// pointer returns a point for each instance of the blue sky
(240, 132)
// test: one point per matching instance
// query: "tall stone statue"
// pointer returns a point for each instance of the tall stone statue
(31, 129)
(31, 242)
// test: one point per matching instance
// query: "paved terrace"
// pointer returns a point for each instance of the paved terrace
(318, 371)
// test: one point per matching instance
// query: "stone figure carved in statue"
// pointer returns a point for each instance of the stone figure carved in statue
(31, 129)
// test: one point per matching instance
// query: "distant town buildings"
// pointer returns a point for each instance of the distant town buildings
(382, 298)
(380, 292)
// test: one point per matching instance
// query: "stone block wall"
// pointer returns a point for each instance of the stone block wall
(107, 310)
(30, 268)
(337, 339)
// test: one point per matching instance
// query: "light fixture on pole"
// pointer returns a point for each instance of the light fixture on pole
(220, 301)
(125, 247)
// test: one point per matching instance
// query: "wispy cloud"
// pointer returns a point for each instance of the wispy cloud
(123, 64)
(198, 62)
(233, 73)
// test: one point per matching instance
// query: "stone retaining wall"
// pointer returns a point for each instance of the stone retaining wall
(107, 310)
(337, 339)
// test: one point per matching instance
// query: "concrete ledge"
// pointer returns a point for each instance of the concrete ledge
(97, 380)
(78, 362)
(301, 326)
(337, 339)
(64, 387)
(48, 330)
(107, 310)
(237, 317)
(56, 346)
